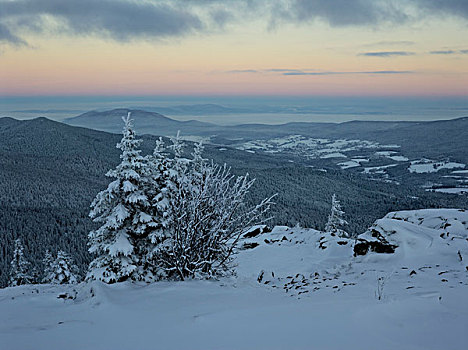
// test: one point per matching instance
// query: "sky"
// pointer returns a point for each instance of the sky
(244, 47)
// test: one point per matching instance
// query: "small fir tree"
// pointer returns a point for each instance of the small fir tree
(62, 270)
(20, 267)
(335, 220)
(125, 212)
(47, 263)
(157, 178)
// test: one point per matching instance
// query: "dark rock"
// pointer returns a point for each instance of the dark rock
(363, 247)
(249, 245)
(257, 231)
(260, 276)
(64, 296)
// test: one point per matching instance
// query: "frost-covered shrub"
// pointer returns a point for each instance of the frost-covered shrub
(205, 217)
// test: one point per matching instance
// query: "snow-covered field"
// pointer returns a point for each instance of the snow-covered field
(451, 190)
(310, 147)
(289, 293)
(371, 158)
(430, 166)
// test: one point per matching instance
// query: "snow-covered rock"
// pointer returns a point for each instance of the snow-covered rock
(429, 234)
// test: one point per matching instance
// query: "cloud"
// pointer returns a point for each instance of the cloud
(388, 72)
(118, 19)
(236, 71)
(264, 71)
(443, 52)
(390, 43)
(365, 13)
(294, 71)
(351, 73)
(340, 13)
(280, 70)
(6, 36)
(449, 52)
(127, 20)
(458, 8)
(386, 53)
(221, 17)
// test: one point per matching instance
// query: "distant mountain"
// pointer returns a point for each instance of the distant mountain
(434, 139)
(145, 122)
(198, 109)
(431, 139)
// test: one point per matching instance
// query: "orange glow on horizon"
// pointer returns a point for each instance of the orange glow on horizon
(204, 65)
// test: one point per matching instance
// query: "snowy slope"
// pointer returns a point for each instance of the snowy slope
(289, 293)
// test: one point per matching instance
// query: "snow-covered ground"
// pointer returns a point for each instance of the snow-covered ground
(392, 155)
(430, 166)
(371, 158)
(310, 147)
(378, 169)
(450, 190)
(289, 293)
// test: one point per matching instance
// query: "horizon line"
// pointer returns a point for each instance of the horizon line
(232, 95)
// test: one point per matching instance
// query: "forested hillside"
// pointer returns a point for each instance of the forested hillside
(50, 172)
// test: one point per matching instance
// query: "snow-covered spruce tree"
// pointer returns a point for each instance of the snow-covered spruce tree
(20, 267)
(206, 215)
(62, 270)
(47, 263)
(335, 220)
(125, 212)
(158, 174)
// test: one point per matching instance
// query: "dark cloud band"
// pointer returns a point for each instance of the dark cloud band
(117, 19)
(386, 53)
(125, 20)
(448, 52)
(293, 72)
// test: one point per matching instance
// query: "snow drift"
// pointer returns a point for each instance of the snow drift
(289, 292)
